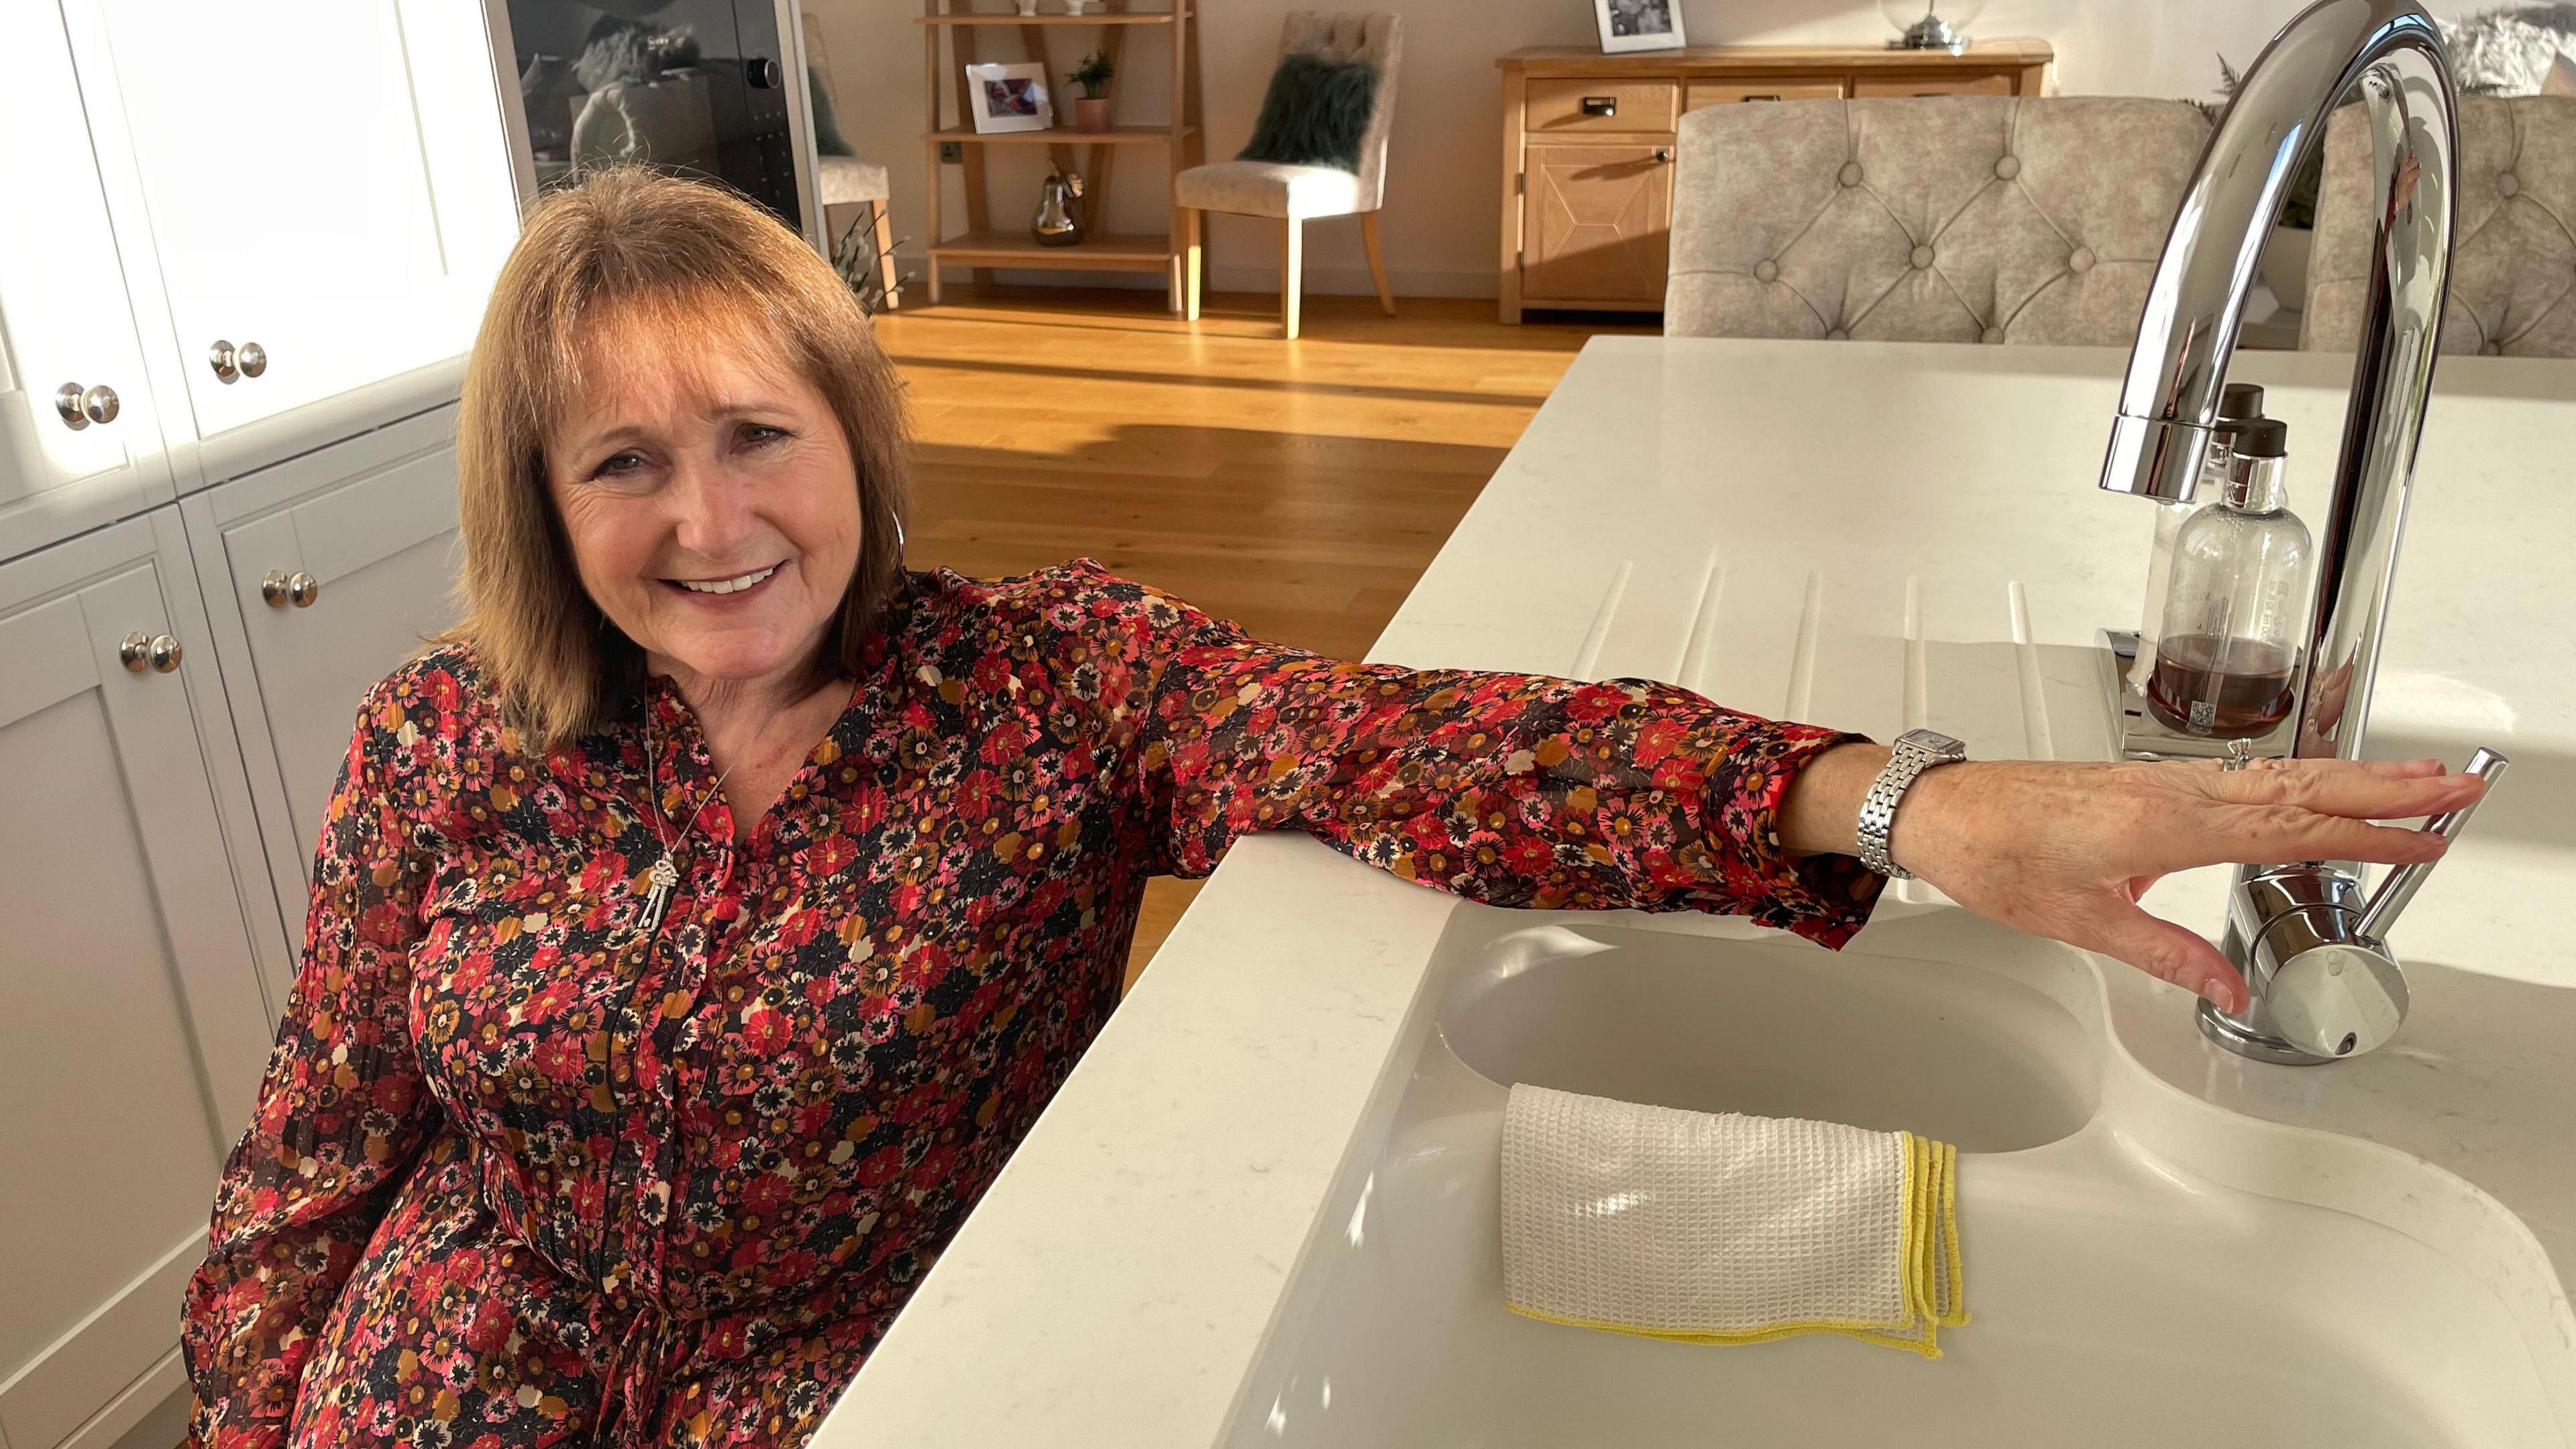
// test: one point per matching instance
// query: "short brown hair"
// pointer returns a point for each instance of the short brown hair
(682, 254)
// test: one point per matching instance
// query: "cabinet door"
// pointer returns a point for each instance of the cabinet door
(340, 565)
(325, 179)
(132, 1026)
(63, 313)
(1596, 224)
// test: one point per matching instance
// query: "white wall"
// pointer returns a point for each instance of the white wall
(1444, 178)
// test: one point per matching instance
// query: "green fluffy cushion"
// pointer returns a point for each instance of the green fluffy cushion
(1315, 114)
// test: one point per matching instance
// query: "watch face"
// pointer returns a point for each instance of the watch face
(1935, 743)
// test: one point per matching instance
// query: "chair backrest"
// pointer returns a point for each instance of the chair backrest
(1347, 36)
(1927, 219)
(2513, 265)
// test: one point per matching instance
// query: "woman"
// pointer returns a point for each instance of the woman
(698, 928)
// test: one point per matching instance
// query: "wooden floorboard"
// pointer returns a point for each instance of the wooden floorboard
(1298, 488)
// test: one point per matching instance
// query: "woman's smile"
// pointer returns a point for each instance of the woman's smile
(733, 588)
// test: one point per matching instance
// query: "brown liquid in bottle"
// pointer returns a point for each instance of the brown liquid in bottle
(2206, 685)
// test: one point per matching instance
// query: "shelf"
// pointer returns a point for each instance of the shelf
(1123, 17)
(1116, 252)
(1062, 135)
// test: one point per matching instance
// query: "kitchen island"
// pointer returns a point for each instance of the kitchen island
(1871, 536)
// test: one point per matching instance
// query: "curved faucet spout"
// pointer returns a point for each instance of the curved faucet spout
(2388, 55)
(2307, 1001)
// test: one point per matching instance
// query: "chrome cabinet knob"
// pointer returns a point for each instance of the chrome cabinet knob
(252, 359)
(81, 406)
(763, 73)
(1663, 153)
(280, 589)
(223, 360)
(158, 652)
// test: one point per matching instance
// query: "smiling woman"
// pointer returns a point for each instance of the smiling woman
(666, 401)
(697, 930)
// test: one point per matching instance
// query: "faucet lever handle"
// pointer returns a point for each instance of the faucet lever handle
(2399, 888)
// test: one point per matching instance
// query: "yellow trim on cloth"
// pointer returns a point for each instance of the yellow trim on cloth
(1737, 1161)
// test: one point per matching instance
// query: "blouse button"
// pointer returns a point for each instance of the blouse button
(2008, 167)
(1766, 270)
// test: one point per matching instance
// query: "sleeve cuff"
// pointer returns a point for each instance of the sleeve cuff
(1824, 898)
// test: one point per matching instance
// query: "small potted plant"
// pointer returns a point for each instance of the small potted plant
(1091, 109)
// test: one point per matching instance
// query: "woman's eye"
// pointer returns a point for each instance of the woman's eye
(618, 465)
(757, 435)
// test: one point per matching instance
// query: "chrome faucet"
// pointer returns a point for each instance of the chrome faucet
(2322, 983)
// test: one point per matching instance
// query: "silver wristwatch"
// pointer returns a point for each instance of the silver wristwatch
(1916, 752)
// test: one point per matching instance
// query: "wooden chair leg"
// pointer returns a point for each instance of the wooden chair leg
(1193, 264)
(885, 256)
(1377, 263)
(1292, 274)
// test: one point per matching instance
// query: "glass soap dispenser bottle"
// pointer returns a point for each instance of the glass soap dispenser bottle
(2227, 655)
(2239, 403)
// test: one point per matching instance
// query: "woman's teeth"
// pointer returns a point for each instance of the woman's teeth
(733, 585)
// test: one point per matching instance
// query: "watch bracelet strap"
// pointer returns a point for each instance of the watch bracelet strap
(1878, 808)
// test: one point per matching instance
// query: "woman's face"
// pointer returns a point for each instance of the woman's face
(710, 499)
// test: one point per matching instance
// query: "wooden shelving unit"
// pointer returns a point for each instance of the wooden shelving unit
(984, 246)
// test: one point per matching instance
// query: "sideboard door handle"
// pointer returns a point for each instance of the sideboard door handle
(1600, 105)
(1757, 98)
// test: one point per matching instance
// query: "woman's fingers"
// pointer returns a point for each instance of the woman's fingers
(2168, 952)
(2349, 789)
(2273, 836)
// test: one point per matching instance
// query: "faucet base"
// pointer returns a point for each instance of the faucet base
(2241, 1038)
(2144, 737)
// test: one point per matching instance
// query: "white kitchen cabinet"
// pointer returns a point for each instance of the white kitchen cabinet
(133, 1026)
(323, 573)
(69, 333)
(315, 196)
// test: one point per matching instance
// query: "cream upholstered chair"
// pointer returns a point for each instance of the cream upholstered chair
(1927, 219)
(2513, 267)
(1294, 194)
(849, 181)
(846, 180)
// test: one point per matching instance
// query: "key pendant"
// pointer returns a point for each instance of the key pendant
(662, 879)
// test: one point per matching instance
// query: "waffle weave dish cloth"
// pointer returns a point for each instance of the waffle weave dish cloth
(1726, 1228)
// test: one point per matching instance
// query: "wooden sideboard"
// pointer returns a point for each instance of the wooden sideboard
(1588, 145)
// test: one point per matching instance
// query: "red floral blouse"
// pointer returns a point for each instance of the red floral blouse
(528, 1169)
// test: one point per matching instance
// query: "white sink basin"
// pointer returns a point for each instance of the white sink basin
(2118, 1298)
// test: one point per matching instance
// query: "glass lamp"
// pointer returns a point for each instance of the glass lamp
(1921, 29)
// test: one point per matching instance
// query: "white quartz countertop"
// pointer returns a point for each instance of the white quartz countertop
(1871, 536)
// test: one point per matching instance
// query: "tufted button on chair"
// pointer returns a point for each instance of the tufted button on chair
(2513, 269)
(1294, 193)
(1929, 219)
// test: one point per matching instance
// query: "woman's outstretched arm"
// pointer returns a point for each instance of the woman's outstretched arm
(1514, 789)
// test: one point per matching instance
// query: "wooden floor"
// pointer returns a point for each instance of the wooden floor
(1298, 488)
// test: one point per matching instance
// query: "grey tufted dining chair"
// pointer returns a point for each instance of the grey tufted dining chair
(2513, 269)
(1927, 219)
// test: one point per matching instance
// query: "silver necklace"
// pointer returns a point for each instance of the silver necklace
(664, 877)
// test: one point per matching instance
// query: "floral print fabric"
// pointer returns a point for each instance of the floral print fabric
(523, 1172)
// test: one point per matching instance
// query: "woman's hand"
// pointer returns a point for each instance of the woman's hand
(2065, 850)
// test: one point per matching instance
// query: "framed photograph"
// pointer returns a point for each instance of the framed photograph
(1639, 24)
(1009, 96)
